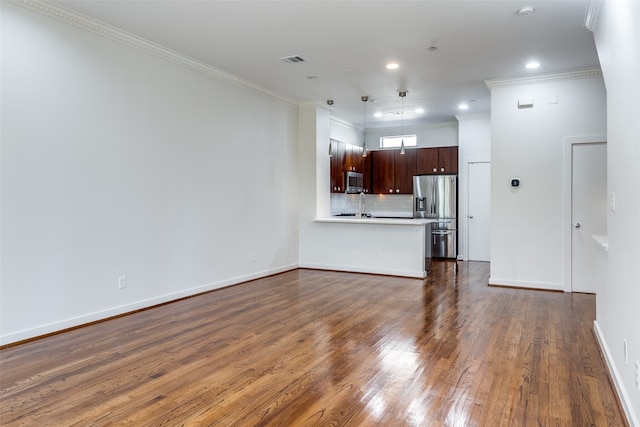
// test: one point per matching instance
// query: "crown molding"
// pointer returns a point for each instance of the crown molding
(567, 75)
(110, 32)
(592, 16)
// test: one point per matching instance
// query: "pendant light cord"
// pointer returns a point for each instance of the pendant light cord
(364, 122)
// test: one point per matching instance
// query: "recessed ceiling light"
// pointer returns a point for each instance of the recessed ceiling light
(392, 66)
(419, 110)
(378, 114)
(463, 106)
(532, 65)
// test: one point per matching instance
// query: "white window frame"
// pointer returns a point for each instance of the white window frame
(393, 141)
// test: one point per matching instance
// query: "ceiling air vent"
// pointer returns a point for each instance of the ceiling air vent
(292, 59)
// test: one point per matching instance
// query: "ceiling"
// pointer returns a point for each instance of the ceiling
(346, 44)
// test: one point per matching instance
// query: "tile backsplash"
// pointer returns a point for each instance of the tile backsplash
(374, 204)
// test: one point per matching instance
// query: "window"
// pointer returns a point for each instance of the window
(394, 141)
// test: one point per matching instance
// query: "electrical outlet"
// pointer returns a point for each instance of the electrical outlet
(637, 375)
(122, 282)
(626, 351)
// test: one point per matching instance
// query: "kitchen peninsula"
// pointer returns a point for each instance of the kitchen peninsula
(391, 246)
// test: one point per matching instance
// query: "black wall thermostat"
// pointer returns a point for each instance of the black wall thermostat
(515, 182)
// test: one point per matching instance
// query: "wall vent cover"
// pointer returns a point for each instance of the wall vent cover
(292, 59)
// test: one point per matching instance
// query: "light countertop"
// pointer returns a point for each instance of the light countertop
(385, 221)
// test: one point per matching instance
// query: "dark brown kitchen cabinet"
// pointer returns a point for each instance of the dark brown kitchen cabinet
(437, 160)
(353, 158)
(448, 159)
(405, 169)
(367, 183)
(344, 158)
(338, 150)
(393, 172)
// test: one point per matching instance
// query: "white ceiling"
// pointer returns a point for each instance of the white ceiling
(346, 44)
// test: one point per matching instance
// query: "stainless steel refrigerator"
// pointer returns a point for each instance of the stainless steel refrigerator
(436, 197)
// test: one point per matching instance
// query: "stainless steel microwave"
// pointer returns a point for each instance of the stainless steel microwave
(353, 182)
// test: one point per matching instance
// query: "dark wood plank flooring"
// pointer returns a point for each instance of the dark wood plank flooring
(325, 348)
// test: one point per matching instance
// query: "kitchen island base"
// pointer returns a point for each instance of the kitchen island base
(395, 247)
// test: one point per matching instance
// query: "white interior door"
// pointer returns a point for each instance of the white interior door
(479, 218)
(588, 211)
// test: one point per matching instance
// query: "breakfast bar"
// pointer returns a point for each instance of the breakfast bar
(391, 246)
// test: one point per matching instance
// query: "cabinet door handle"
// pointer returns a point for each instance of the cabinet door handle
(435, 169)
(441, 169)
(397, 190)
(391, 190)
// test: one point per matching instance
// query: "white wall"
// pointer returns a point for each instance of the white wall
(527, 223)
(431, 135)
(117, 162)
(474, 146)
(617, 33)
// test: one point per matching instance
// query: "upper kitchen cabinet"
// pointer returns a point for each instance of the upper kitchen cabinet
(393, 172)
(367, 179)
(344, 158)
(338, 154)
(438, 160)
(353, 158)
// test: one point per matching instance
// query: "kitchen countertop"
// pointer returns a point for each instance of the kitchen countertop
(374, 220)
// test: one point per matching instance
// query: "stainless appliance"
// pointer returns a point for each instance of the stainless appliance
(353, 182)
(435, 197)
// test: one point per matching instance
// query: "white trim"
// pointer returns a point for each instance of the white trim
(623, 396)
(593, 15)
(124, 309)
(110, 32)
(548, 286)
(417, 274)
(567, 148)
(539, 78)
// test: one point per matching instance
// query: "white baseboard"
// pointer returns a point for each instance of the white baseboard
(549, 286)
(385, 272)
(128, 308)
(632, 418)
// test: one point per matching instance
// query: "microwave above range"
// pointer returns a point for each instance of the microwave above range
(353, 182)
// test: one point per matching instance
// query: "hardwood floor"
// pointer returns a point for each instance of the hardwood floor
(325, 348)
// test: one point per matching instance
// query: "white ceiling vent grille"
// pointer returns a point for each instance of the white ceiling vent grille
(295, 59)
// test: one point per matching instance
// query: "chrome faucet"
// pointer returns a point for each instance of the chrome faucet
(361, 204)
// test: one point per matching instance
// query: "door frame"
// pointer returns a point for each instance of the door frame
(567, 183)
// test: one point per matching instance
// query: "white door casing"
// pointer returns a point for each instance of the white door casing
(479, 211)
(588, 211)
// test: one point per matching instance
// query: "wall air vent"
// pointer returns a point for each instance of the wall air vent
(292, 59)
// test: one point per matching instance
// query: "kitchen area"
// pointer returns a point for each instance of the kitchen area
(391, 211)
